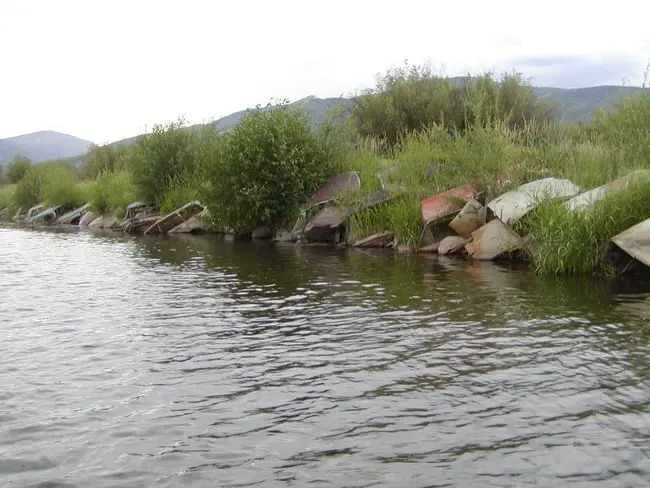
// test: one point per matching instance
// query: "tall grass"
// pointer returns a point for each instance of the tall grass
(575, 243)
(112, 191)
(410, 99)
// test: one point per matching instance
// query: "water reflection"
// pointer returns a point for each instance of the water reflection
(190, 361)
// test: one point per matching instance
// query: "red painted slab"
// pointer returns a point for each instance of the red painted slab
(439, 206)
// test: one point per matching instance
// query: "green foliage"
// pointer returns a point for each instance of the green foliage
(100, 159)
(53, 183)
(7, 197)
(576, 242)
(16, 169)
(111, 191)
(62, 187)
(159, 159)
(266, 168)
(626, 131)
(413, 98)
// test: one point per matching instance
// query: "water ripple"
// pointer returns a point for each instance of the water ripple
(193, 362)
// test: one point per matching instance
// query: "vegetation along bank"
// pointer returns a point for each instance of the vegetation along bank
(419, 163)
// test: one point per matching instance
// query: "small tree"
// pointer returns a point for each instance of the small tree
(16, 169)
(104, 158)
(412, 98)
(266, 167)
(159, 159)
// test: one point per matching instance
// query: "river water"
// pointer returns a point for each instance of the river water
(189, 361)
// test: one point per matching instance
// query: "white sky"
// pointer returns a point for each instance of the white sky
(104, 70)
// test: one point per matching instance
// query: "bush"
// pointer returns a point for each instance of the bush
(413, 98)
(266, 167)
(111, 191)
(576, 243)
(159, 159)
(53, 183)
(7, 196)
(100, 159)
(16, 169)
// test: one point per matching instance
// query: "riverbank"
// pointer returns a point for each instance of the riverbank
(263, 174)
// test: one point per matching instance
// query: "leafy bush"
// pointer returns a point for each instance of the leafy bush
(7, 196)
(576, 242)
(413, 98)
(100, 159)
(61, 186)
(159, 159)
(266, 167)
(53, 183)
(16, 169)
(111, 191)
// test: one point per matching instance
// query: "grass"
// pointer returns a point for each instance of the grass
(112, 191)
(576, 243)
(425, 134)
(7, 199)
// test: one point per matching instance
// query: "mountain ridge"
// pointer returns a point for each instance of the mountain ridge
(577, 104)
(42, 145)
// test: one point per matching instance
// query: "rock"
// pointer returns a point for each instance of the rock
(262, 233)
(452, 244)
(104, 222)
(87, 218)
(493, 240)
(469, 219)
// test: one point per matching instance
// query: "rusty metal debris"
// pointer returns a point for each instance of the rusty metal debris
(380, 239)
(635, 241)
(589, 198)
(176, 218)
(513, 205)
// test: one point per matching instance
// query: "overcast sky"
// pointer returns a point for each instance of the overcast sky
(104, 70)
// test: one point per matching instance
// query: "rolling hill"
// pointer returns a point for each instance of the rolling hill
(41, 146)
(576, 104)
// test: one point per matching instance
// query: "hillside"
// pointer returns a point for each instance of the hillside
(576, 104)
(41, 146)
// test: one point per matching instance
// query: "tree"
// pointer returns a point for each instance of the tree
(16, 169)
(266, 167)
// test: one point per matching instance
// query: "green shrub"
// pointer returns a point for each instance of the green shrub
(100, 159)
(413, 98)
(7, 198)
(55, 183)
(61, 186)
(575, 243)
(159, 159)
(16, 169)
(268, 165)
(111, 191)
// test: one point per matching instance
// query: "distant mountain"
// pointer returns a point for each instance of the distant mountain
(581, 103)
(41, 146)
(576, 104)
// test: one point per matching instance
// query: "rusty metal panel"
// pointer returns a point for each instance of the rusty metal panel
(176, 218)
(513, 205)
(589, 198)
(493, 240)
(381, 239)
(446, 204)
(469, 219)
(636, 241)
(335, 186)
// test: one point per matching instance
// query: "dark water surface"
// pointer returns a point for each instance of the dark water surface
(130, 362)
